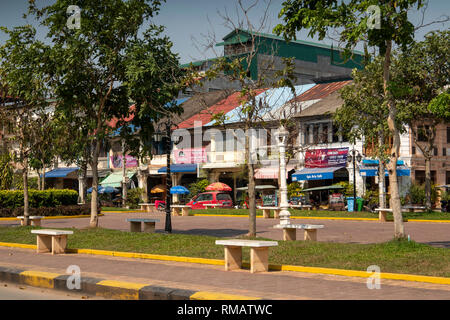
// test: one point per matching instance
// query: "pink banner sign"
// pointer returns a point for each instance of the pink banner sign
(192, 155)
(323, 158)
(117, 161)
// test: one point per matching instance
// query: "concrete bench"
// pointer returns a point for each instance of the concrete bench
(212, 205)
(176, 208)
(290, 231)
(259, 254)
(412, 208)
(301, 206)
(382, 213)
(35, 220)
(147, 206)
(136, 224)
(266, 212)
(49, 240)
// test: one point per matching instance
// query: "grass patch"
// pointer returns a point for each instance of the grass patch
(336, 214)
(393, 256)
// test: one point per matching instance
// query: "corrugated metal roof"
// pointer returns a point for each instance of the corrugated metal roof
(321, 90)
(205, 116)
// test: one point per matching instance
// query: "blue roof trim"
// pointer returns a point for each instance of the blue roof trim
(179, 168)
(59, 172)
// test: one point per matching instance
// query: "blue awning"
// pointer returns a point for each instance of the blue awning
(186, 168)
(374, 162)
(372, 171)
(315, 173)
(59, 172)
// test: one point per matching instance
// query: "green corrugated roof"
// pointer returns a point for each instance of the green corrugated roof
(272, 36)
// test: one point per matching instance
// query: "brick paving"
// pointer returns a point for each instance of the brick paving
(270, 285)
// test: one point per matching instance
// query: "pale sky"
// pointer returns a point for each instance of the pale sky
(186, 20)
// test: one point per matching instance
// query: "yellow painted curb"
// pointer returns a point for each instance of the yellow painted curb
(55, 217)
(120, 289)
(356, 273)
(39, 278)
(18, 245)
(436, 221)
(206, 295)
(148, 256)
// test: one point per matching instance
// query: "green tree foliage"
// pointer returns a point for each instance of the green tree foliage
(198, 187)
(23, 60)
(6, 172)
(352, 20)
(99, 69)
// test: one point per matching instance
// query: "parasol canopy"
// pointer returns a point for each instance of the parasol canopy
(102, 189)
(179, 190)
(218, 186)
(158, 189)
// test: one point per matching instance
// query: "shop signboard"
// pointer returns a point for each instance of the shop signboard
(117, 161)
(324, 158)
(190, 155)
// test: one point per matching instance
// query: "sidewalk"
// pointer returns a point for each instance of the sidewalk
(194, 278)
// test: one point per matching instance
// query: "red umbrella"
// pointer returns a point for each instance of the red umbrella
(218, 186)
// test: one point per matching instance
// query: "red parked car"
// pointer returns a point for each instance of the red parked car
(211, 197)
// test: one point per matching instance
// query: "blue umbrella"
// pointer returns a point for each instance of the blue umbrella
(179, 190)
(102, 189)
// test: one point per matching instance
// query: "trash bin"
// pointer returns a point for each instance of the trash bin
(359, 203)
(350, 204)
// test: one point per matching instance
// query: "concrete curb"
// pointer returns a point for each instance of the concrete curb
(54, 217)
(109, 289)
(318, 218)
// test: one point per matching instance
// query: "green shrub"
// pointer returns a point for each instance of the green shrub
(134, 197)
(72, 210)
(198, 187)
(38, 198)
(372, 197)
(294, 189)
(348, 188)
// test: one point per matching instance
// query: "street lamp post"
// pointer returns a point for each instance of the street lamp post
(354, 158)
(285, 215)
(168, 225)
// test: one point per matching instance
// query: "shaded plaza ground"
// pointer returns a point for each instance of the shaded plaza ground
(341, 231)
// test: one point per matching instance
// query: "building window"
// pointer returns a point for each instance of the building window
(447, 177)
(413, 151)
(448, 134)
(419, 176)
(435, 151)
(444, 151)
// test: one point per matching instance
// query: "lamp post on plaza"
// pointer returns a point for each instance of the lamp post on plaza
(168, 147)
(356, 156)
(285, 215)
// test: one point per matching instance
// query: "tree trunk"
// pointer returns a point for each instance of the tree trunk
(124, 176)
(26, 211)
(39, 179)
(94, 200)
(43, 176)
(82, 183)
(395, 204)
(381, 176)
(251, 186)
(428, 203)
